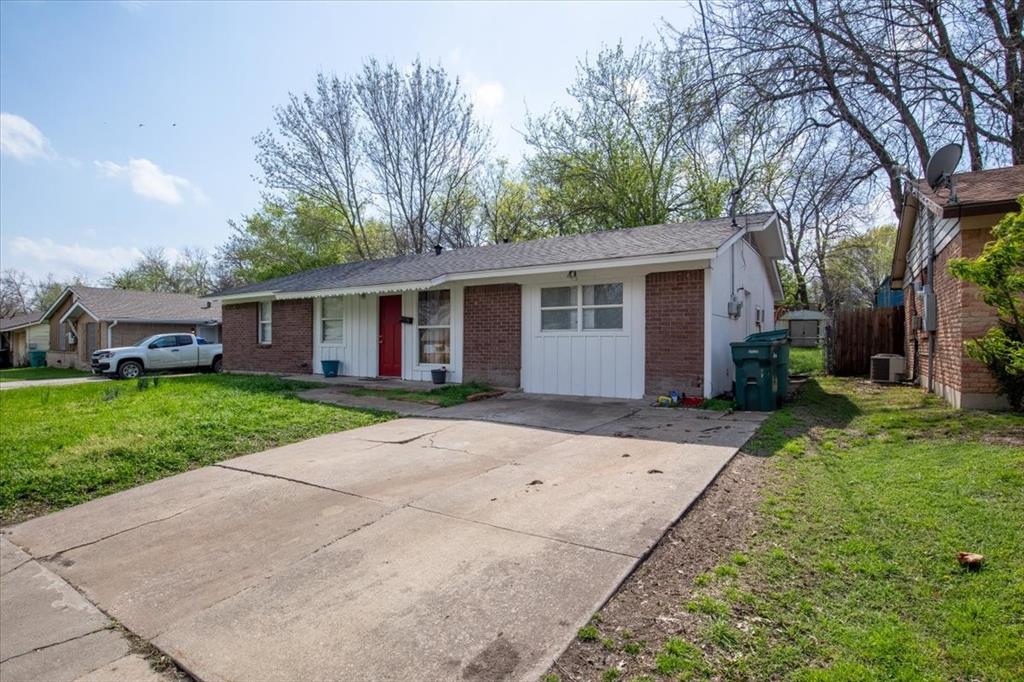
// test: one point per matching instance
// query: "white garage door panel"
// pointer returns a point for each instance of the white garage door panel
(590, 363)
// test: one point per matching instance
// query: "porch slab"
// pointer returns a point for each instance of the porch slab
(459, 601)
(608, 493)
(152, 575)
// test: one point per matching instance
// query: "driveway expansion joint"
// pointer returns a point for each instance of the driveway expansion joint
(523, 532)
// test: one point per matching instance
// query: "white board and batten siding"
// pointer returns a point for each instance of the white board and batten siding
(358, 348)
(601, 363)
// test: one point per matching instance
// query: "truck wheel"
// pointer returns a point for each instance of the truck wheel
(218, 365)
(129, 369)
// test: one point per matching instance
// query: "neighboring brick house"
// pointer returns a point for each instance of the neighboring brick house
(958, 229)
(621, 313)
(86, 319)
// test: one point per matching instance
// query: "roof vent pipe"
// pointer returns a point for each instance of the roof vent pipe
(437, 249)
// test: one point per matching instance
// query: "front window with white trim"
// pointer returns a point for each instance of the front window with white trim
(264, 322)
(433, 320)
(331, 319)
(581, 307)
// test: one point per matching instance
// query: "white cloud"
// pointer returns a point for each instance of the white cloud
(489, 95)
(149, 181)
(22, 140)
(38, 257)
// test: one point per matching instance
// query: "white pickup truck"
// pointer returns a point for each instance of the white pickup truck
(159, 353)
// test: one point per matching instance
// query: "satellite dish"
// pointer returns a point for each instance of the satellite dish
(939, 172)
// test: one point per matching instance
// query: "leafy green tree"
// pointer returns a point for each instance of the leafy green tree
(288, 236)
(999, 274)
(856, 265)
(191, 272)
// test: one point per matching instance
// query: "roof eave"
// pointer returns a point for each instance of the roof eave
(629, 261)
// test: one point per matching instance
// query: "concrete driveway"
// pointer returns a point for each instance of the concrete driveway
(465, 547)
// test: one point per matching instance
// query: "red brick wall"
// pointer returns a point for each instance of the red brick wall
(976, 319)
(674, 358)
(962, 315)
(492, 336)
(291, 348)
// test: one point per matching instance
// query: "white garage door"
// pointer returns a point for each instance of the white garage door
(584, 338)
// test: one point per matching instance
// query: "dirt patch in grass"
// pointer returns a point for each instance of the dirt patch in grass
(633, 623)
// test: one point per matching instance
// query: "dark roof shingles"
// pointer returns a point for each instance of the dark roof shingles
(623, 243)
(124, 304)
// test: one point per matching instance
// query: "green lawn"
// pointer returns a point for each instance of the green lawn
(63, 445)
(39, 373)
(872, 492)
(445, 396)
(806, 361)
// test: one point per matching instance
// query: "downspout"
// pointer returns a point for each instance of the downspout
(110, 334)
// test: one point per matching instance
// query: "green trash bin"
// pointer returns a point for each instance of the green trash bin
(782, 336)
(37, 358)
(756, 386)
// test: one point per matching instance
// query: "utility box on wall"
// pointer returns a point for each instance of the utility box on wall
(929, 311)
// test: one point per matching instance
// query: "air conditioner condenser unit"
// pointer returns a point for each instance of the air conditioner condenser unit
(887, 368)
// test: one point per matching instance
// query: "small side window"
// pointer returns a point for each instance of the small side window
(265, 326)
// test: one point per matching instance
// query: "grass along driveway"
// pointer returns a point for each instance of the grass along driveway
(40, 373)
(64, 445)
(869, 493)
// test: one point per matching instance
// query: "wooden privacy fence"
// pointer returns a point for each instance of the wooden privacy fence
(859, 333)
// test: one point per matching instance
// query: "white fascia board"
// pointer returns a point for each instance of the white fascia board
(353, 291)
(49, 311)
(78, 306)
(250, 297)
(205, 321)
(504, 273)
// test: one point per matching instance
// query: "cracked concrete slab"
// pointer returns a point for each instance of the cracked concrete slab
(615, 494)
(457, 600)
(500, 441)
(546, 412)
(38, 609)
(68, 660)
(391, 474)
(114, 514)
(679, 426)
(151, 576)
(10, 556)
(130, 668)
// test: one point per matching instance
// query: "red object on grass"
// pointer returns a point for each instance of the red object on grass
(692, 401)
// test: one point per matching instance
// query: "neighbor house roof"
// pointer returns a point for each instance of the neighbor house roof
(610, 247)
(986, 192)
(978, 192)
(137, 306)
(13, 322)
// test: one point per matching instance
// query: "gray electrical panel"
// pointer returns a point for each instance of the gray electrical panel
(929, 310)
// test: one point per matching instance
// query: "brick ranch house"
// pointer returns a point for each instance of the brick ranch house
(954, 229)
(85, 319)
(621, 313)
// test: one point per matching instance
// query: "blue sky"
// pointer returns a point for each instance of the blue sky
(83, 186)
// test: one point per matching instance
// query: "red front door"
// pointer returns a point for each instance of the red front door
(389, 354)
